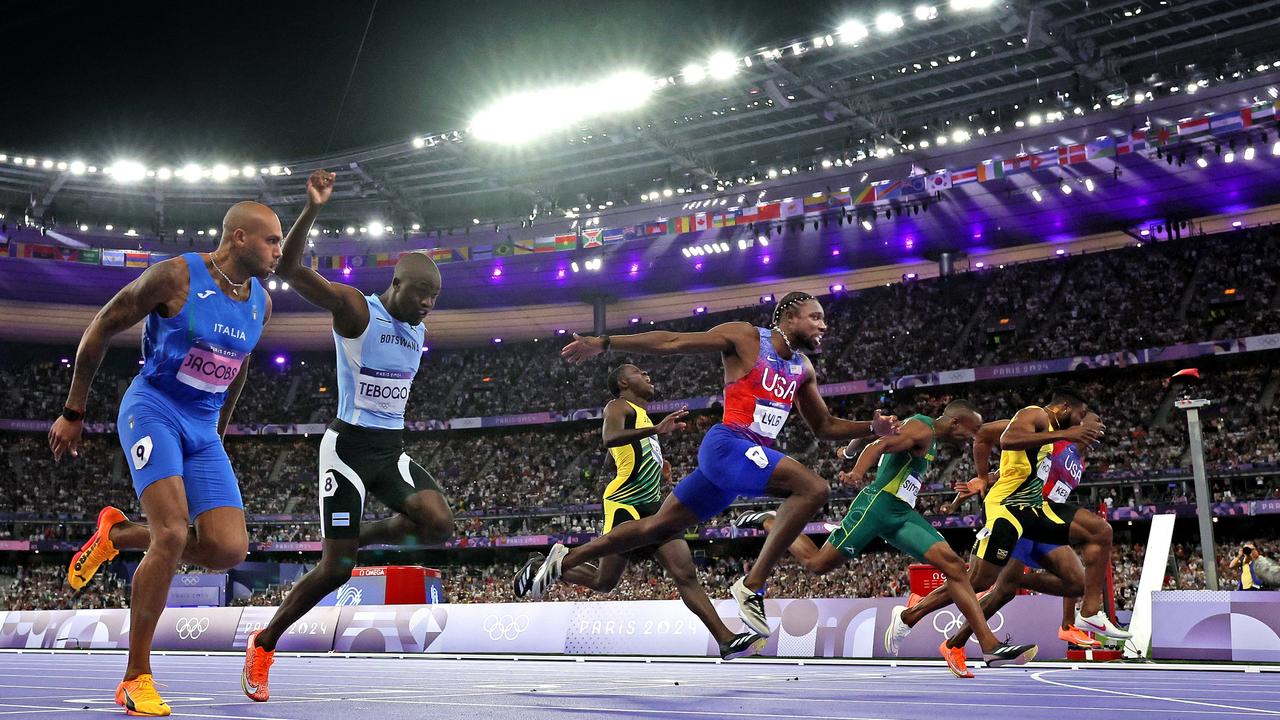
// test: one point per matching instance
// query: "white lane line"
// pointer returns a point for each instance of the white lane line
(1039, 677)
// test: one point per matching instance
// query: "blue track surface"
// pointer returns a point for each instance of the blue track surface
(57, 685)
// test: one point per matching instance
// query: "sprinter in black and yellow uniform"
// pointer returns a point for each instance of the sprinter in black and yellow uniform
(636, 492)
(1015, 506)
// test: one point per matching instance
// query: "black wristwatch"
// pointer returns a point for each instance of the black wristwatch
(608, 341)
(72, 415)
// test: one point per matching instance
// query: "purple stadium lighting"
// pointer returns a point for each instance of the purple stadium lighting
(635, 268)
(1059, 251)
(1144, 232)
(561, 331)
(979, 264)
(425, 349)
(909, 276)
(635, 320)
(497, 272)
(279, 359)
(700, 310)
(66, 361)
(697, 266)
(1237, 224)
(346, 271)
(838, 287)
(766, 299)
(764, 260)
(497, 341)
(835, 252)
(560, 274)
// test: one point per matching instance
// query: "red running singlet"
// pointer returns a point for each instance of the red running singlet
(758, 403)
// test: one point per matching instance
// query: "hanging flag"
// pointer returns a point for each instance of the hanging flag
(504, 249)
(792, 207)
(915, 185)
(157, 257)
(615, 235)
(940, 180)
(1192, 127)
(1072, 155)
(700, 221)
(481, 252)
(990, 170)
(544, 244)
(524, 247)
(1230, 121)
(864, 196)
(37, 252)
(730, 217)
(1100, 148)
(387, 259)
(655, 228)
(90, 256)
(568, 241)
(887, 189)
(356, 261)
(113, 258)
(964, 176)
(591, 238)
(1135, 143)
(717, 220)
(462, 254)
(815, 202)
(759, 213)
(1262, 111)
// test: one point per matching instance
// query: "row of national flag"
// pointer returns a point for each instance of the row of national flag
(816, 203)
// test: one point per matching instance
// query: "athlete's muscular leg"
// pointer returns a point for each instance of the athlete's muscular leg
(425, 520)
(678, 562)
(805, 494)
(165, 503)
(1004, 590)
(982, 575)
(601, 578)
(218, 541)
(336, 562)
(814, 559)
(1094, 533)
(1064, 576)
(672, 518)
(941, 556)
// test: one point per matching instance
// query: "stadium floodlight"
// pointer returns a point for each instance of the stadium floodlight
(1088, 184)
(866, 225)
(376, 229)
(1066, 188)
(887, 22)
(108, 227)
(1036, 194)
(164, 174)
(1275, 149)
(526, 116)
(84, 228)
(419, 143)
(127, 171)
(247, 171)
(47, 164)
(962, 5)
(190, 172)
(1248, 153)
(852, 31)
(925, 13)
(694, 73)
(213, 232)
(722, 65)
(220, 172)
(1230, 157)
(416, 227)
(77, 167)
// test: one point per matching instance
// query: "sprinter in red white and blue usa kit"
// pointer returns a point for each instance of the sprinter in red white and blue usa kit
(766, 374)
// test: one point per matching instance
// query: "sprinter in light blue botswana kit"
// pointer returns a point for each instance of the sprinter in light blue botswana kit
(379, 341)
(204, 315)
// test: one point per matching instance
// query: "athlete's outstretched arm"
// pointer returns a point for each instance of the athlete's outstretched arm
(616, 433)
(157, 285)
(728, 338)
(1029, 429)
(233, 392)
(826, 426)
(914, 434)
(347, 304)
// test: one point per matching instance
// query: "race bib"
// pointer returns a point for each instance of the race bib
(1059, 492)
(908, 490)
(655, 450)
(769, 419)
(384, 391)
(1043, 469)
(209, 368)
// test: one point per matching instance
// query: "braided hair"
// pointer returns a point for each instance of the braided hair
(788, 301)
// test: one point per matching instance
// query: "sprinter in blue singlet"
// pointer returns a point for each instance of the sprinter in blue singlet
(379, 340)
(204, 314)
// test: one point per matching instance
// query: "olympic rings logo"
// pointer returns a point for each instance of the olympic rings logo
(189, 580)
(948, 623)
(505, 627)
(190, 628)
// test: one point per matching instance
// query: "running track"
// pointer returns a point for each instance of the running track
(76, 684)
